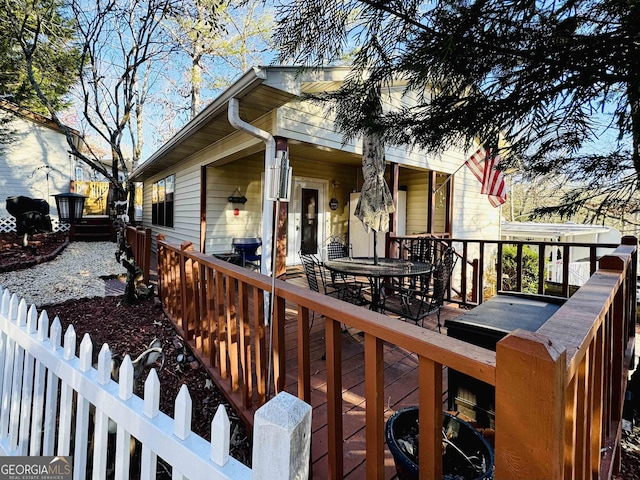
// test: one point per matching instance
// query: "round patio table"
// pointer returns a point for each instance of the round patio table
(375, 273)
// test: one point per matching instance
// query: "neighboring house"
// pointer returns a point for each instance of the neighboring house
(34, 161)
(97, 189)
(187, 182)
(579, 265)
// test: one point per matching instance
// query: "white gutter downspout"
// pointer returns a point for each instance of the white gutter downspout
(267, 204)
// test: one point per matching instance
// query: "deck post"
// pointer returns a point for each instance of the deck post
(186, 278)
(530, 407)
(161, 258)
(146, 261)
(282, 439)
(475, 295)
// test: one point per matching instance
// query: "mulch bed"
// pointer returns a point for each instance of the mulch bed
(41, 247)
(129, 330)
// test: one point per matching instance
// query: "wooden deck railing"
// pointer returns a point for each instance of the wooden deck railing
(559, 391)
(56, 403)
(98, 195)
(481, 265)
(140, 241)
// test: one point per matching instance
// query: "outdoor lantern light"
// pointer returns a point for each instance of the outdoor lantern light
(70, 206)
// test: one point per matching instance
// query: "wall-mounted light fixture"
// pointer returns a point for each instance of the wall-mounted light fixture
(237, 197)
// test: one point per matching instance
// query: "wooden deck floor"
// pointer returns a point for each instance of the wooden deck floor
(400, 377)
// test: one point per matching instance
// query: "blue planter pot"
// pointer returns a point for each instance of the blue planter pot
(466, 454)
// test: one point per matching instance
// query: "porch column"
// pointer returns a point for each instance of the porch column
(431, 201)
(281, 216)
(392, 248)
(203, 208)
(449, 211)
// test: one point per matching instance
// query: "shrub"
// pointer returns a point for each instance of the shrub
(510, 269)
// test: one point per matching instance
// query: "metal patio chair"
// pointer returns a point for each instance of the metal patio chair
(421, 250)
(319, 280)
(417, 303)
(337, 248)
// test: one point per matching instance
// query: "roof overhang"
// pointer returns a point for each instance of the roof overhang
(260, 90)
(35, 117)
(535, 230)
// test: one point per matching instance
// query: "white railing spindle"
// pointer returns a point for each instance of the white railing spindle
(123, 437)
(101, 429)
(39, 390)
(5, 410)
(51, 402)
(66, 396)
(82, 413)
(13, 307)
(27, 386)
(149, 459)
(220, 436)
(6, 388)
(182, 421)
(38, 409)
(17, 387)
(6, 298)
(182, 415)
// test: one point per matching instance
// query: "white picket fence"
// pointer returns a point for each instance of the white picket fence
(52, 400)
(579, 272)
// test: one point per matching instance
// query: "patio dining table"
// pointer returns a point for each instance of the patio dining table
(385, 268)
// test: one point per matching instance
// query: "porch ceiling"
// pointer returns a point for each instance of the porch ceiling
(303, 152)
(315, 153)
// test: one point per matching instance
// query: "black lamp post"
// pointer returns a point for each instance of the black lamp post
(70, 207)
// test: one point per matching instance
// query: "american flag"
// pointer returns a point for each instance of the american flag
(482, 165)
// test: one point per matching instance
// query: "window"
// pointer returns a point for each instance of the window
(79, 174)
(162, 202)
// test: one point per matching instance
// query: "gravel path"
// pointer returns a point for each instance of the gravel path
(75, 273)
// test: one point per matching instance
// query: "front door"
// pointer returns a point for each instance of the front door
(306, 219)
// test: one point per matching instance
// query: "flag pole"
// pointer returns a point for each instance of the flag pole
(452, 174)
(449, 178)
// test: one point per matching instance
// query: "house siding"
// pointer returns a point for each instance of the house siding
(311, 123)
(186, 214)
(237, 161)
(473, 215)
(31, 147)
(222, 225)
(232, 174)
(345, 176)
(417, 185)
